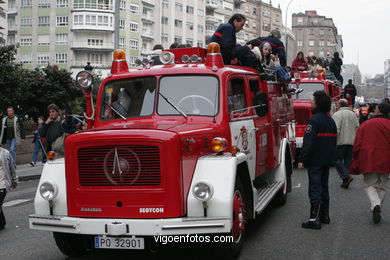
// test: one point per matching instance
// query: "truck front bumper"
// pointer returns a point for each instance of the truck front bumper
(125, 227)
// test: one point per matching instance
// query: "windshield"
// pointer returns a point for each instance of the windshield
(191, 95)
(132, 97)
(308, 90)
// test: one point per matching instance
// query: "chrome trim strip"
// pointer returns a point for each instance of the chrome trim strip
(54, 225)
(217, 225)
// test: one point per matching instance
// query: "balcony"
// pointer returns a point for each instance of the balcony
(211, 19)
(12, 11)
(149, 19)
(93, 6)
(83, 46)
(147, 35)
(211, 5)
(209, 32)
(148, 2)
(95, 65)
(103, 28)
(12, 28)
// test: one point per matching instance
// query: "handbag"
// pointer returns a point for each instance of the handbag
(58, 145)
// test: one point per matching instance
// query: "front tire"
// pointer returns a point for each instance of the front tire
(70, 244)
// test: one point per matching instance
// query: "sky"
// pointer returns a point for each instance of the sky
(363, 25)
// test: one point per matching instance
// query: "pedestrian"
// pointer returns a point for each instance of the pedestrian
(350, 92)
(157, 50)
(299, 63)
(38, 142)
(386, 101)
(12, 132)
(173, 45)
(8, 180)
(335, 66)
(347, 125)
(277, 45)
(371, 153)
(363, 112)
(317, 154)
(52, 128)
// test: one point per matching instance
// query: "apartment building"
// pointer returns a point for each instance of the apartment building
(3, 23)
(316, 34)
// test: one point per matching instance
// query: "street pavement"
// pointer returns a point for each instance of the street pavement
(275, 234)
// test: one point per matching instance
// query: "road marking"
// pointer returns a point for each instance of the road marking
(15, 202)
(298, 186)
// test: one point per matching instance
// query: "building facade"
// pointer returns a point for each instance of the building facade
(3, 22)
(316, 35)
(387, 78)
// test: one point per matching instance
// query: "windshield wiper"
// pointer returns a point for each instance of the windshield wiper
(175, 107)
(119, 114)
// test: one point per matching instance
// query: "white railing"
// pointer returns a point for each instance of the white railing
(86, 45)
(94, 6)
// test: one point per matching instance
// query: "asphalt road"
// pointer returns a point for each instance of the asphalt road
(275, 234)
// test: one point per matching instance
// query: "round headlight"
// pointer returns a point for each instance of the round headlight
(218, 144)
(48, 190)
(84, 79)
(203, 191)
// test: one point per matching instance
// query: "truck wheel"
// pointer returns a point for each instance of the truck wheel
(70, 244)
(281, 197)
(231, 250)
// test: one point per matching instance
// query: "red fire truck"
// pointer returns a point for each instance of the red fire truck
(308, 84)
(188, 147)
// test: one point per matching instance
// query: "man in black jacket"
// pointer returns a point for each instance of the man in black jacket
(350, 90)
(52, 128)
(317, 154)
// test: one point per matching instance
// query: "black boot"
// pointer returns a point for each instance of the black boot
(314, 222)
(324, 213)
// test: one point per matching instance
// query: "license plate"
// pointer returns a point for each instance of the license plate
(119, 242)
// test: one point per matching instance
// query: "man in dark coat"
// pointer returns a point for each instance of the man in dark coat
(335, 66)
(350, 90)
(317, 154)
(371, 153)
(277, 45)
(52, 128)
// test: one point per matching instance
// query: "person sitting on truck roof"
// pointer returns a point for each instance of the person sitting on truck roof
(157, 49)
(299, 63)
(335, 66)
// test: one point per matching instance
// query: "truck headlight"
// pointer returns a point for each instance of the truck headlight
(48, 190)
(203, 191)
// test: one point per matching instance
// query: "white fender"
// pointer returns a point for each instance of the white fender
(220, 172)
(53, 171)
(281, 172)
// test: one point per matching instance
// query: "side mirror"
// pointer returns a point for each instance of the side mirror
(260, 101)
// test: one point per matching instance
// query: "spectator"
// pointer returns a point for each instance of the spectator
(363, 113)
(371, 153)
(157, 49)
(277, 45)
(386, 101)
(350, 92)
(347, 125)
(317, 153)
(173, 45)
(8, 180)
(266, 50)
(335, 66)
(299, 63)
(38, 142)
(372, 110)
(12, 132)
(52, 128)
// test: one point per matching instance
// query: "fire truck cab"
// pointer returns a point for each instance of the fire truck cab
(302, 101)
(188, 147)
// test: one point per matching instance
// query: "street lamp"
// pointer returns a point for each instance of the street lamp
(285, 29)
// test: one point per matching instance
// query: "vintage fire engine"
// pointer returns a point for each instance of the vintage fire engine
(308, 84)
(188, 147)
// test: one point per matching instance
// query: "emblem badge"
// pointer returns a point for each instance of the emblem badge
(308, 129)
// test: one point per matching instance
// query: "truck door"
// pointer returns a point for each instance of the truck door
(241, 119)
(261, 126)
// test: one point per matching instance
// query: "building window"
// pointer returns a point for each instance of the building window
(266, 27)
(95, 42)
(165, 4)
(132, 60)
(26, 58)
(62, 3)
(133, 44)
(164, 20)
(200, 12)
(321, 43)
(311, 43)
(266, 13)
(26, 4)
(121, 24)
(26, 22)
(95, 58)
(62, 21)
(200, 44)
(178, 7)
(322, 32)
(62, 39)
(122, 5)
(133, 27)
(315, 21)
(43, 4)
(43, 21)
(134, 9)
(329, 43)
(164, 37)
(189, 9)
(299, 43)
(78, 19)
(300, 20)
(44, 40)
(61, 58)
(322, 54)
(178, 23)
(121, 42)
(190, 26)
(190, 41)
(43, 58)
(200, 28)
(26, 41)
(90, 20)
(254, 11)
(11, 39)
(311, 53)
(177, 39)
(102, 20)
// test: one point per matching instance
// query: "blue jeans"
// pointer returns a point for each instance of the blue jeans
(318, 184)
(11, 147)
(37, 148)
(3, 192)
(343, 160)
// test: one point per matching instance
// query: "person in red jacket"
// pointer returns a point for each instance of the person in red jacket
(299, 63)
(371, 153)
